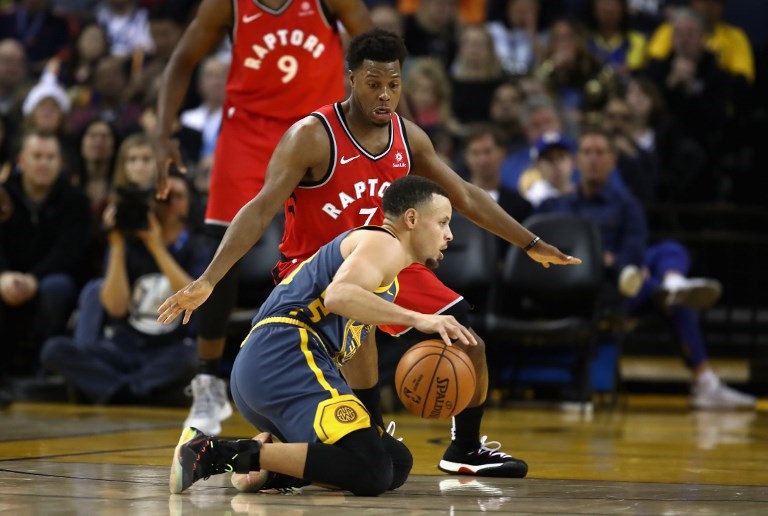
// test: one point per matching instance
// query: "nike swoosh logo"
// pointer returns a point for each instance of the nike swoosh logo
(249, 19)
(344, 160)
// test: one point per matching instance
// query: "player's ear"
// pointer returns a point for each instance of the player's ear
(410, 217)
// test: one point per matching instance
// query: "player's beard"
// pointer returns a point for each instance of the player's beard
(432, 263)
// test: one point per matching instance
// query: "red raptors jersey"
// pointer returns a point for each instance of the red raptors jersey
(350, 193)
(274, 50)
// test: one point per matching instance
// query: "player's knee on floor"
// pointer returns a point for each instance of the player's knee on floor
(372, 473)
(402, 460)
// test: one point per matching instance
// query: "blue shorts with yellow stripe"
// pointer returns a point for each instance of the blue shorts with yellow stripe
(284, 382)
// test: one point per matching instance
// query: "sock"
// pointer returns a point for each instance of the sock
(466, 428)
(371, 398)
(208, 366)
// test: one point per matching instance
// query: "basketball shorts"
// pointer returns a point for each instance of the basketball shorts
(284, 382)
(243, 149)
(420, 291)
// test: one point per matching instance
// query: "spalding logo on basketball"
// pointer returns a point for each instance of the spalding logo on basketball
(435, 381)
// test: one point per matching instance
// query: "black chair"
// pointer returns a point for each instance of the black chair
(549, 317)
(255, 277)
(469, 265)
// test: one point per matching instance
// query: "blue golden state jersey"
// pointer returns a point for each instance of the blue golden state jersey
(299, 300)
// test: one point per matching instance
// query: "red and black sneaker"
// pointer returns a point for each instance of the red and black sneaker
(198, 456)
(486, 461)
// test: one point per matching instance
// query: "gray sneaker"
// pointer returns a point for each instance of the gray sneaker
(210, 404)
(720, 396)
(698, 293)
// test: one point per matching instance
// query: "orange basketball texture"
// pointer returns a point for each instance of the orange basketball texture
(435, 381)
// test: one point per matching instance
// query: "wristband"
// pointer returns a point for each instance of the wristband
(530, 245)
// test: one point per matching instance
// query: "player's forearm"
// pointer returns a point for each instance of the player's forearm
(175, 82)
(355, 303)
(481, 209)
(245, 230)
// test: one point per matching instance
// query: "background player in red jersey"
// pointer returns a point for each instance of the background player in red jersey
(287, 59)
(364, 134)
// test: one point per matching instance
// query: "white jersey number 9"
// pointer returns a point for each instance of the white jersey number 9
(289, 66)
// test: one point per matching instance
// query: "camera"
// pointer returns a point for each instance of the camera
(132, 208)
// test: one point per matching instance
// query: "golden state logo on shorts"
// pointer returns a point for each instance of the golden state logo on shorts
(345, 414)
(338, 416)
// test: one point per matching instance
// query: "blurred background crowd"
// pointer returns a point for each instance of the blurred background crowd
(678, 84)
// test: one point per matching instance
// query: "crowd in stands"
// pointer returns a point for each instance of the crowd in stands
(671, 82)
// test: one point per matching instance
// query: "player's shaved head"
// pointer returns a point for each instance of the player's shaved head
(377, 45)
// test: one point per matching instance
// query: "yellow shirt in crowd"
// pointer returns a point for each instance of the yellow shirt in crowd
(729, 43)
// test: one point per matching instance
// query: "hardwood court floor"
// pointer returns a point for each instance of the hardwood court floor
(651, 456)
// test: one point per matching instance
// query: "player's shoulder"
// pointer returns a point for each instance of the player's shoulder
(417, 137)
(375, 238)
(307, 130)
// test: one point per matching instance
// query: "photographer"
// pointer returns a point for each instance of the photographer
(151, 254)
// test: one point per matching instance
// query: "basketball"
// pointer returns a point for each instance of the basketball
(435, 381)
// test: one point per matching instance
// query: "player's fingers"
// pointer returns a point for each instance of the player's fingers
(167, 316)
(167, 304)
(467, 337)
(187, 315)
(446, 338)
(470, 336)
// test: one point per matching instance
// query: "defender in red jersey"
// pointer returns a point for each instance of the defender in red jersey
(313, 172)
(287, 60)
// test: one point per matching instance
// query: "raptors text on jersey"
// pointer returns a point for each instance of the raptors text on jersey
(350, 193)
(286, 62)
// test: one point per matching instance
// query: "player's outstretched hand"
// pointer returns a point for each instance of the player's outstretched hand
(547, 254)
(448, 328)
(186, 300)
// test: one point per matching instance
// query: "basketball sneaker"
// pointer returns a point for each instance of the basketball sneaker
(391, 428)
(710, 393)
(210, 404)
(198, 456)
(486, 461)
(630, 280)
(697, 293)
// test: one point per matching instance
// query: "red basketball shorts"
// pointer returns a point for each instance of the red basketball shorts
(421, 291)
(243, 149)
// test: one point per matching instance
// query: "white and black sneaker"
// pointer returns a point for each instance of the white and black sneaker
(486, 461)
